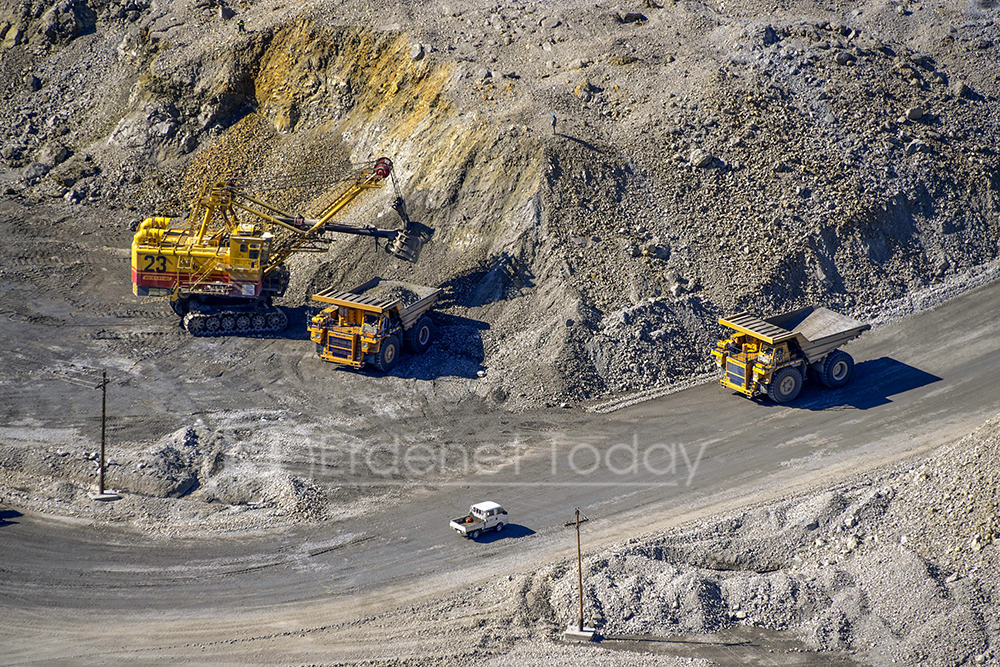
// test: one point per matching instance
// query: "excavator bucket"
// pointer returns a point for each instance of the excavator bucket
(408, 243)
(406, 246)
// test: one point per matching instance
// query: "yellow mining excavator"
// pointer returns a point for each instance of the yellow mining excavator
(222, 264)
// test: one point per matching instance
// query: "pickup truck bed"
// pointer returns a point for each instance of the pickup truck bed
(468, 521)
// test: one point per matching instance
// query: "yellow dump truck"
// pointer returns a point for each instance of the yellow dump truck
(772, 356)
(369, 324)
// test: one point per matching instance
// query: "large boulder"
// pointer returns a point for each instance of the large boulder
(65, 20)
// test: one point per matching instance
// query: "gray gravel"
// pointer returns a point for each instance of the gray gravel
(705, 159)
(896, 567)
(899, 567)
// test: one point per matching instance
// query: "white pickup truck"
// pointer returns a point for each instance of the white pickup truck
(483, 516)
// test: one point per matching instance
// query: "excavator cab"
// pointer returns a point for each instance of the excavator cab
(247, 252)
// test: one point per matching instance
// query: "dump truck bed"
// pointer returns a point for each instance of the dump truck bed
(816, 329)
(380, 295)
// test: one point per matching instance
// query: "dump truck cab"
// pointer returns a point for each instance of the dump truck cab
(749, 364)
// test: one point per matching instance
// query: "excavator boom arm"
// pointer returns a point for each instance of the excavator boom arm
(306, 230)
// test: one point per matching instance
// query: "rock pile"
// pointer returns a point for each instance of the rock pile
(194, 479)
(867, 572)
(394, 292)
(899, 567)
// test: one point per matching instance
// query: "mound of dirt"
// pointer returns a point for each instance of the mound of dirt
(390, 292)
(194, 479)
(171, 468)
(898, 567)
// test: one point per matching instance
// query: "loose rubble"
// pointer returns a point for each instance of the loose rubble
(874, 571)
(897, 567)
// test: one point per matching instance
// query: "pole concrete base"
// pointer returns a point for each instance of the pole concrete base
(574, 634)
(107, 496)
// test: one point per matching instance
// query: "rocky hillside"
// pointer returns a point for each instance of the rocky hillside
(706, 157)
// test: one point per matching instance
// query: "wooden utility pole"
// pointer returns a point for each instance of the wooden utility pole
(576, 631)
(579, 560)
(101, 493)
(104, 416)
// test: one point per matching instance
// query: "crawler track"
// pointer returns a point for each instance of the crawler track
(230, 321)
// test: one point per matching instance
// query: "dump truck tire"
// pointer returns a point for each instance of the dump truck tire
(838, 369)
(785, 386)
(420, 336)
(388, 354)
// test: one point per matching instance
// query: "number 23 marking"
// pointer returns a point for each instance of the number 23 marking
(159, 262)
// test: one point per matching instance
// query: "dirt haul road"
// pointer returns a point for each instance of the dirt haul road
(80, 591)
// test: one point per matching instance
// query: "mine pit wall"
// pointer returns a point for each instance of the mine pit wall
(530, 235)
(479, 184)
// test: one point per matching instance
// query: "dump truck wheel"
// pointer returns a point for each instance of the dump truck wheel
(839, 369)
(785, 386)
(420, 336)
(388, 354)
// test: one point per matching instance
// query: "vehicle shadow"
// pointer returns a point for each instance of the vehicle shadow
(7, 515)
(874, 382)
(298, 320)
(511, 531)
(456, 351)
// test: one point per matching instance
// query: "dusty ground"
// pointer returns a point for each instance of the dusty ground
(705, 158)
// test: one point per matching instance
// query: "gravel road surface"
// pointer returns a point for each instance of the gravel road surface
(78, 591)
